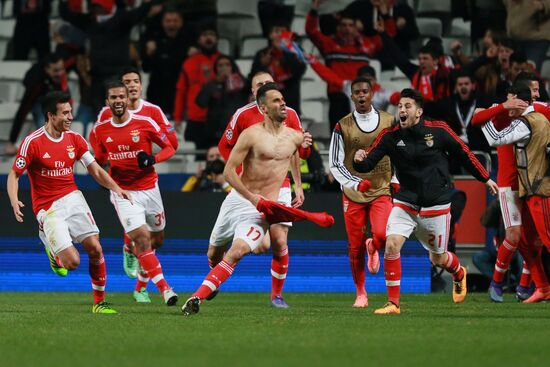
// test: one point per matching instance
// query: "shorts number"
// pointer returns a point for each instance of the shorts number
(432, 238)
(253, 234)
(160, 218)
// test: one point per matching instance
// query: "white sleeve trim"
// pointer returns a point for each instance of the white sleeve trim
(87, 159)
(337, 168)
(518, 131)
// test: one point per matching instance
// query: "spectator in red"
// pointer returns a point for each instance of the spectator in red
(42, 78)
(344, 53)
(195, 72)
(285, 67)
(429, 77)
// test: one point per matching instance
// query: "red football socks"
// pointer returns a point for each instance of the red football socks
(392, 273)
(98, 273)
(151, 265)
(452, 265)
(279, 269)
(214, 279)
(505, 254)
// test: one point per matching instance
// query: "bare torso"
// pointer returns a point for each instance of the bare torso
(267, 162)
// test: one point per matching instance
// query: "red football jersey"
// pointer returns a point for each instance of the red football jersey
(50, 164)
(245, 117)
(152, 111)
(120, 144)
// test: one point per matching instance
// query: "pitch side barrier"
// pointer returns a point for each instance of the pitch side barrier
(318, 263)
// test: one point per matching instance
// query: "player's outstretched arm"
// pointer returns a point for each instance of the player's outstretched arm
(13, 190)
(103, 178)
(236, 158)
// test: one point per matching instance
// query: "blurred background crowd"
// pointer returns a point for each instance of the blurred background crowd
(197, 57)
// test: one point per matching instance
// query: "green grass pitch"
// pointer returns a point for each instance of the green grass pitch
(240, 329)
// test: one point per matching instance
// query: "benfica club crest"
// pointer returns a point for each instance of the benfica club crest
(135, 135)
(429, 138)
(70, 151)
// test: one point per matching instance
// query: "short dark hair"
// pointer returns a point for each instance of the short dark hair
(51, 100)
(129, 70)
(436, 44)
(522, 91)
(507, 42)
(430, 50)
(463, 73)
(414, 95)
(207, 27)
(518, 57)
(114, 83)
(526, 76)
(262, 92)
(51, 58)
(369, 70)
(171, 8)
(361, 79)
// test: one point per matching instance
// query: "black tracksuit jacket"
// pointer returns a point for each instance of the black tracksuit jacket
(420, 155)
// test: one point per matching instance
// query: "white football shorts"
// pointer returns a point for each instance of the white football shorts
(146, 210)
(510, 207)
(431, 231)
(238, 219)
(68, 219)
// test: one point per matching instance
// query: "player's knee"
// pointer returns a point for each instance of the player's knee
(437, 259)
(157, 239)
(513, 235)
(71, 263)
(237, 251)
(392, 246)
(215, 253)
(142, 242)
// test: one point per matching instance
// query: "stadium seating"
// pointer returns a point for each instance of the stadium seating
(251, 45)
(429, 26)
(224, 46)
(237, 8)
(313, 90)
(6, 32)
(460, 27)
(314, 110)
(245, 65)
(299, 25)
(431, 6)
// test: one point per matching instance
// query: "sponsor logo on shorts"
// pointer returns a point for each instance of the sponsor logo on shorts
(128, 222)
(20, 163)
